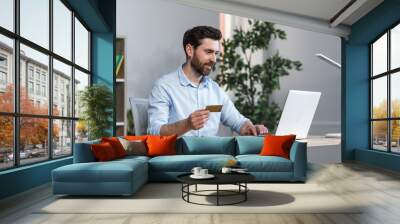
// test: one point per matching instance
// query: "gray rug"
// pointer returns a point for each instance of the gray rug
(166, 198)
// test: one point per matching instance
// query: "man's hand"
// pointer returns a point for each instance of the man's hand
(261, 129)
(249, 129)
(197, 119)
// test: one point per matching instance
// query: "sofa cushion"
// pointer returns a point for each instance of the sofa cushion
(103, 152)
(161, 145)
(185, 163)
(111, 171)
(277, 145)
(116, 145)
(249, 144)
(134, 147)
(193, 145)
(257, 163)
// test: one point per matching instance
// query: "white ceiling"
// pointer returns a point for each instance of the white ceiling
(314, 15)
(319, 9)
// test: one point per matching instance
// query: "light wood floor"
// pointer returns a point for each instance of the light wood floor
(378, 188)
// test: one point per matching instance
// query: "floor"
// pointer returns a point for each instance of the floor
(378, 188)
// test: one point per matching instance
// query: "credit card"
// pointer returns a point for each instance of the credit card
(214, 108)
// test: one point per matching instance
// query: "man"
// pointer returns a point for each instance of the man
(178, 100)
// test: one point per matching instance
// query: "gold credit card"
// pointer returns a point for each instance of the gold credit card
(214, 108)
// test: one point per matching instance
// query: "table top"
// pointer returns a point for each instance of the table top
(220, 178)
(315, 141)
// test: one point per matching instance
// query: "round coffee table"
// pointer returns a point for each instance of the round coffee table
(238, 179)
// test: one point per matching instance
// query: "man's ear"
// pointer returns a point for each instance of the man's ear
(189, 50)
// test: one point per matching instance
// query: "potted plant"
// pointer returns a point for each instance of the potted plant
(96, 102)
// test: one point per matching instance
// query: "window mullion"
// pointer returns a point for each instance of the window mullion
(16, 84)
(389, 101)
(73, 82)
(50, 81)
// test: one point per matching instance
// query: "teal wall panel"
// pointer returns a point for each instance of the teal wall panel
(24, 178)
(379, 159)
(355, 72)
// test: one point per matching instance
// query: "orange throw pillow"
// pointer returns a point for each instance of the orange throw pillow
(277, 145)
(103, 152)
(135, 138)
(116, 145)
(161, 145)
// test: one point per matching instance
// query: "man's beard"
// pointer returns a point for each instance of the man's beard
(202, 68)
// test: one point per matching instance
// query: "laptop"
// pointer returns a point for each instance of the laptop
(298, 113)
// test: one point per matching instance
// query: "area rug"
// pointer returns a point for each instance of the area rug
(167, 198)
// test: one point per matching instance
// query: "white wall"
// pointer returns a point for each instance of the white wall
(153, 30)
(316, 75)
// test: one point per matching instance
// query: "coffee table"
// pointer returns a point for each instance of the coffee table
(238, 179)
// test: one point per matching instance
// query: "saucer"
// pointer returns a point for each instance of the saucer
(208, 176)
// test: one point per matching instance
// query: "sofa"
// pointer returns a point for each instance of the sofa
(126, 175)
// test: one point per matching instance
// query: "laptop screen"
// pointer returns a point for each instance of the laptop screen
(298, 113)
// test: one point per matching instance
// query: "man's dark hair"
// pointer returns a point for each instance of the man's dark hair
(196, 34)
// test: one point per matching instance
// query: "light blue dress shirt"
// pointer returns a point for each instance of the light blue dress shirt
(174, 97)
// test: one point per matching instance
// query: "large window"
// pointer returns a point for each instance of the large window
(385, 91)
(44, 64)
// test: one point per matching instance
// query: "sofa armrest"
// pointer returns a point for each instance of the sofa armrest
(298, 155)
(83, 152)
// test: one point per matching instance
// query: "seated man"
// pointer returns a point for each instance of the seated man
(178, 100)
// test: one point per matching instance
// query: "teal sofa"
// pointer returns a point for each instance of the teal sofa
(125, 176)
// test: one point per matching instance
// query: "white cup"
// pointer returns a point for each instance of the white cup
(226, 170)
(203, 172)
(196, 170)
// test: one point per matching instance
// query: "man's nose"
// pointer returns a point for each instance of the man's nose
(213, 58)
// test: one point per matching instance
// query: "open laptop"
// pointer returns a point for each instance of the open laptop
(298, 113)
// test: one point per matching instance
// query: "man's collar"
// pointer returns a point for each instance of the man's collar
(185, 81)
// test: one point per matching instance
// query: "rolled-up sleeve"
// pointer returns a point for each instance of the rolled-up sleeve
(158, 112)
(230, 116)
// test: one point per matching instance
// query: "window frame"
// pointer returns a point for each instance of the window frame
(16, 114)
(388, 74)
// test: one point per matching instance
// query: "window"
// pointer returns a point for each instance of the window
(385, 94)
(62, 29)
(43, 77)
(34, 21)
(6, 71)
(43, 90)
(7, 14)
(37, 75)
(30, 72)
(30, 87)
(3, 61)
(3, 71)
(81, 45)
(62, 74)
(45, 131)
(38, 89)
(3, 78)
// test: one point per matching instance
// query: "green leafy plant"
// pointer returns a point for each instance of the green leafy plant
(96, 102)
(253, 84)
